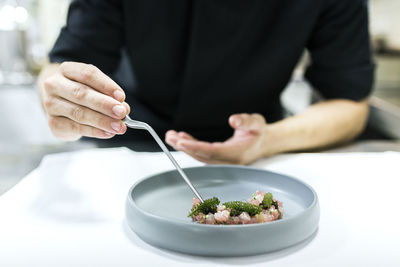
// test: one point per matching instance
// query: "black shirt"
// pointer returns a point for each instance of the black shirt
(196, 62)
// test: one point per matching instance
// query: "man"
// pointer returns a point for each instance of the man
(207, 68)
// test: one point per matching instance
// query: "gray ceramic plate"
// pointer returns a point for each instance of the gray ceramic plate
(157, 209)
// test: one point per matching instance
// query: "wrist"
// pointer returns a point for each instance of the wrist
(274, 139)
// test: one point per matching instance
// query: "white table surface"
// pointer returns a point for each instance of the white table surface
(70, 212)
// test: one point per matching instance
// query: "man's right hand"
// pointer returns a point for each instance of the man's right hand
(80, 100)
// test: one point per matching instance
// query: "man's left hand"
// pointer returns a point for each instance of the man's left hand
(244, 147)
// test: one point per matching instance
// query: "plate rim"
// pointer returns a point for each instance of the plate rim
(221, 226)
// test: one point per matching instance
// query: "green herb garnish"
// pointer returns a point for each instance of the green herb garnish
(237, 207)
(280, 214)
(268, 201)
(209, 205)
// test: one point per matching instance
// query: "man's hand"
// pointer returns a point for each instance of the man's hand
(323, 124)
(244, 147)
(80, 100)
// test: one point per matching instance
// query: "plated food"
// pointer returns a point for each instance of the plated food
(261, 207)
(157, 207)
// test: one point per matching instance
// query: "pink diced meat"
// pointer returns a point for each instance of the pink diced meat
(210, 219)
(244, 218)
(234, 220)
(221, 207)
(222, 216)
(257, 198)
(199, 218)
(195, 202)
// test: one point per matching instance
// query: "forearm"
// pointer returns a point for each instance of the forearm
(323, 124)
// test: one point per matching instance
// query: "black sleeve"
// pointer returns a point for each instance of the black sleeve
(93, 34)
(340, 51)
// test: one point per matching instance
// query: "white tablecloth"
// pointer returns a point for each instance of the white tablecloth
(70, 212)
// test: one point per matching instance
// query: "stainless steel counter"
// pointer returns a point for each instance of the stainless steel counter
(385, 102)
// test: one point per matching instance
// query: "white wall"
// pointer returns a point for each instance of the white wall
(385, 21)
(52, 16)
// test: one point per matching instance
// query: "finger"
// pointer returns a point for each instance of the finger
(86, 96)
(69, 130)
(92, 77)
(80, 114)
(186, 136)
(203, 159)
(210, 151)
(171, 137)
(248, 122)
(127, 107)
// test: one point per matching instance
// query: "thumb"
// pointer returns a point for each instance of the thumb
(247, 122)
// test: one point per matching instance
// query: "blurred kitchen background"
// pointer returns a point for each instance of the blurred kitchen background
(28, 29)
